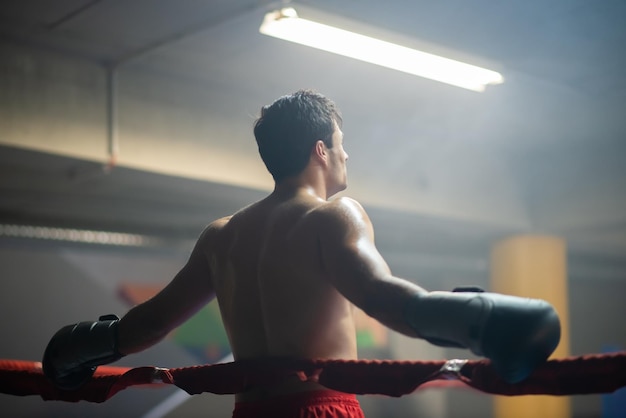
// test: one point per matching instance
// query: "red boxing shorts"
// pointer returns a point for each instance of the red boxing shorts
(314, 404)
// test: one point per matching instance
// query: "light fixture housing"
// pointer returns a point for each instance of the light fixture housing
(285, 24)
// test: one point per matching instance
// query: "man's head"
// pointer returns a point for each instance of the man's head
(288, 130)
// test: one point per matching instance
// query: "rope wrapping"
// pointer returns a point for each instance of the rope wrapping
(595, 373)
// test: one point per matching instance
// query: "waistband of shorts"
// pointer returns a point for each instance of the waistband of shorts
(308, 398)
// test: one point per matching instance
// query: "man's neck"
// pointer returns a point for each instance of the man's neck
(298, 187)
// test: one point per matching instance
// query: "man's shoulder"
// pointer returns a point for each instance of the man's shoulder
(214, 228)
(219, 224)
(343, 210)
(342, 205)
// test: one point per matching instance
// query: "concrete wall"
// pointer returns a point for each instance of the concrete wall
(57, 104)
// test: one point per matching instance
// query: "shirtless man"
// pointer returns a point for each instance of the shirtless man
(287, 272)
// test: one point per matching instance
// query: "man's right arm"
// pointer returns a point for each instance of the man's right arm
(356, 268)
(515, 333)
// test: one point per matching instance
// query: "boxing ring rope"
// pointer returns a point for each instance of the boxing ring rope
(589, 374)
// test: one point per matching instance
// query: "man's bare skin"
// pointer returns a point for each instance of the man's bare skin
(286, 272)
(267, 260)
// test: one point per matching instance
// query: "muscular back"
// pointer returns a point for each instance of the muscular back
(271, 284)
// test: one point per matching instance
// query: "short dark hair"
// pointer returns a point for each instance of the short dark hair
(288, 129)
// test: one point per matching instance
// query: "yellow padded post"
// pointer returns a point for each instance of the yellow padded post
(533, 266)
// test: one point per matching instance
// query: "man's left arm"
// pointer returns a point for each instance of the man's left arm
(75, 351)
(149, 322)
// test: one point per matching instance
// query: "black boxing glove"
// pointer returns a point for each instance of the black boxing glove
(75, 351)
(516, 334)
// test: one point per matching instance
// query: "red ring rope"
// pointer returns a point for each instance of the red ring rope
(597, 373)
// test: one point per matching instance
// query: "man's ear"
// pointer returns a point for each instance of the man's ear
(320, 152)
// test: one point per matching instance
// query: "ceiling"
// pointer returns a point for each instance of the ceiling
(556, 125)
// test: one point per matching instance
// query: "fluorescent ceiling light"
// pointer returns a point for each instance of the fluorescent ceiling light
(285, 24)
